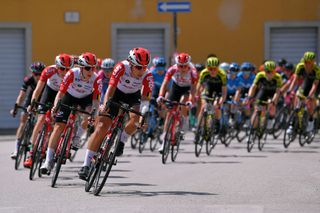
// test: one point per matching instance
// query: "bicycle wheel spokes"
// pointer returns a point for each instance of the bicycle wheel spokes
(37, 153)
(175, 146)
(253, 134)
(213, 138)
(303, 136)
(280, 122)
(93, 172)
(142, 141)
(200, 136)
(135, 139)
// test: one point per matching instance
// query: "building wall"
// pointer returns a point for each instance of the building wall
(232, 29)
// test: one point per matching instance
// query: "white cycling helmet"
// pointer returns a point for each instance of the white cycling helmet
(107, 63)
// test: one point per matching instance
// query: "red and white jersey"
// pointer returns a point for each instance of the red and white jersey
(185, 80)
(50, 75)
(75, 86)
(122, 79)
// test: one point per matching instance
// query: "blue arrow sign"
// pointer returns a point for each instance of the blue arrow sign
(174, 7)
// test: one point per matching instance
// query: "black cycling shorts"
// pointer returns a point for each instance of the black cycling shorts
(64, 112)
(176, 92)
(47, 97)
(132, 99)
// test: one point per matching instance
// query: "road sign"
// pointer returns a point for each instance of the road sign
(174, 7)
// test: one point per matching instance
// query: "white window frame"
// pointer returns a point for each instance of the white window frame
(271, 25)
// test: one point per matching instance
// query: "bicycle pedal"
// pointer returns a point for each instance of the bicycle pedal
(115, 162)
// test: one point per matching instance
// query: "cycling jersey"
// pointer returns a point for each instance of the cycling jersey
(105, 84)
(213, 84)
(51, 77)
(75, 86)
(232, 85)
(267, 88)
(308, 79)
(29, 81)
(245, 83)
(182, 80)
(158, 79)
(122, 79)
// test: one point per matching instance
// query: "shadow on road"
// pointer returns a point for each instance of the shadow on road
(207, 162)
(153, 193)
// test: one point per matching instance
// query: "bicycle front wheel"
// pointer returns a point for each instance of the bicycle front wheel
(176, 144)
(37, 152)
(61, 157)
(167, 141)
(200, 136)
(253, 134)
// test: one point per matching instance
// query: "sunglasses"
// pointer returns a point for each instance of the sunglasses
(140, 67)
(88, 68)
(108, 70)
(269, 71)
(212, 68)
(182, 66)
(62, 68)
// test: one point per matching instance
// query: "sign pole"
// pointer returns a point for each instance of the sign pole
(175, 40)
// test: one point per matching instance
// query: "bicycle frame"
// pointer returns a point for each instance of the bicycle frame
(175, 112)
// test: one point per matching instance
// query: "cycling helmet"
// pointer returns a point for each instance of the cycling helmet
(309, 56)
(269, 66)
(246, 66)
(154, 60)
(183, 59)
(87, 60)
(37, 67)
(224, 66)
(282, 62)
(199, 67)
(108, 63)
(160, 62)
(289, 66)
(234, 67)
(64, 61)
(139, 56)
(212, 62)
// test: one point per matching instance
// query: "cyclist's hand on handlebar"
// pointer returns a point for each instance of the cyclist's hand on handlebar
(160, 99)
(13, 111)
(29, 109)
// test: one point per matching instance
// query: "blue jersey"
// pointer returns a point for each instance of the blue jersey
(158, 79)
(245, 83)
(232, 85)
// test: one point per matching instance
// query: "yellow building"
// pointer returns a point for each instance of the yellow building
(235, 30)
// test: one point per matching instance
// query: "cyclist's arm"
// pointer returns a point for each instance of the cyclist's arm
(224, 94)
(20, 98)
(109, 94)
(164, 87)
(314, 88)
(37, 92)
(276, 96)
(252, 90)
(293, 83)
(237, 95)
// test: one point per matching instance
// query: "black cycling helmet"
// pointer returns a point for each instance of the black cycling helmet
(37, 67)
(282, 62)
(199, 67)
(289, 66)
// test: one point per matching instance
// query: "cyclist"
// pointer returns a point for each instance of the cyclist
(24, 99)
(225, 67)
(232, 87)
(266, 86)
(310, 72)
(281, 63)
(105, 74)
(47, 87)
(130, 81)
(80, 86)
(184, 78)
(213, 80)
(246, 78)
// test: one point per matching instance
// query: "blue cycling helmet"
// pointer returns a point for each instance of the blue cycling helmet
(160, 62)
(234, 67)
(246, 66)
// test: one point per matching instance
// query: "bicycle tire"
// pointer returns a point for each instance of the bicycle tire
(142, 141)
(135, 139)
(279, 122)
(303, 133)
(176, 145)
(199, 137)
(94, 169)
(167, 141)
(252, 134)
(262, 140)
(213, 137)
(37, 153)
(110, 162)
(155, 133)
(60, 157)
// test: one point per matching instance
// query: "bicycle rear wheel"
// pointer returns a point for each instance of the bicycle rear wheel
(142, 141)
(263, 134)
(280, 122)
(93, 172)
(167, 141)
(303, 136)
(288, 137)
(61, 157)
(213, 138)
(23, 146)
(135, 139)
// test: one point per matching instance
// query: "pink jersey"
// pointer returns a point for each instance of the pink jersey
(75, 86)
(122, 79)
(51, 77)
(184, 80)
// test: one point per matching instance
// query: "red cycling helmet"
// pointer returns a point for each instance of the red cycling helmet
(183, 59)
(64, 61)
(139, 56)
(99, 62)
(87, 60)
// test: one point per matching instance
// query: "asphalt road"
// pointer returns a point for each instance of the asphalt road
(230, 180)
